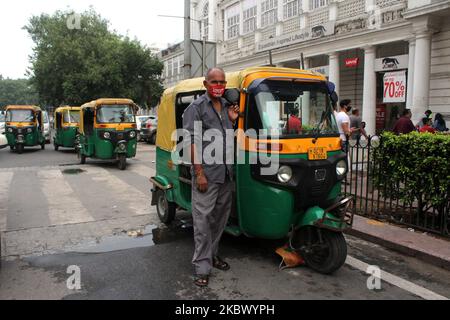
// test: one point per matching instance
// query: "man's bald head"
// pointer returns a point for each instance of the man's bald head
(212, 72)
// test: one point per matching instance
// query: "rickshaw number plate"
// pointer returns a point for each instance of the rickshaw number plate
(318, 153)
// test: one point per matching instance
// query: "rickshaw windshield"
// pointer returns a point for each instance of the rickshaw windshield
(115, 114)
(20, 115)
(71, 116)
(291, 109)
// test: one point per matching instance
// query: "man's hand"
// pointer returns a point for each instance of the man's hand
(233, 113)
(202, 182)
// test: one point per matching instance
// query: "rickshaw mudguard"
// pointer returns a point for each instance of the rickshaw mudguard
(316, 215)
(164, 183)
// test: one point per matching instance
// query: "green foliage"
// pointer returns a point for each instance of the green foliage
(414, 168)
(73, 66)
(17, 91)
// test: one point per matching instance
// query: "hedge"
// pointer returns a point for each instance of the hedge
(414, 168)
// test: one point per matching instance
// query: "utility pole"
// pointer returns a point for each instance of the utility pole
(187, 39)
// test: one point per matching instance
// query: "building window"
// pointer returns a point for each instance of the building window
(249, 16)
(205, 22)
(233, 27)
(169, 68)
(269, 12)
(315, 4)
(290, 8)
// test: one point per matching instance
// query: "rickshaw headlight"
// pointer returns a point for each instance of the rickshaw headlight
(107, 135)
(341, 168)
(29, 130)
(10, 130)
(284, 174)
(132, 134)
(122, 146)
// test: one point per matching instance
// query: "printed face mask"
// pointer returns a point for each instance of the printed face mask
(216, 91)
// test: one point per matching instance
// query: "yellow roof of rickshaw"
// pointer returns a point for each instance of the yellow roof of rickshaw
(107, 101)
(23, 107)
(69, 108)
(166, 110)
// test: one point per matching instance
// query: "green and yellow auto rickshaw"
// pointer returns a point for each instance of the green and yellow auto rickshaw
(302, 199)
(24, 127)
(108, 131)
(66, 124)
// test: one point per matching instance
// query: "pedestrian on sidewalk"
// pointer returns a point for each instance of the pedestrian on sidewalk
(427, 126)
(404, 125)
(211, 183)
(428, 114)
(439, 123)
(356, 125)
(343, 122)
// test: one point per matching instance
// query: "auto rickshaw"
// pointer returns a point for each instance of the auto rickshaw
(24, 127)
(66, 124)
(108, 131)
(302, 199)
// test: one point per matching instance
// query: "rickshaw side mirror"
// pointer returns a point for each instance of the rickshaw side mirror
(232, 96)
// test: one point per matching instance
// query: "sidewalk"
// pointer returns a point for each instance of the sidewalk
(422, 246)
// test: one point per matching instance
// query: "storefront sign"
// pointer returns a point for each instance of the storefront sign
(326, 29)
(392, 63)
(352, 62)
(325, 70)
(394, 87)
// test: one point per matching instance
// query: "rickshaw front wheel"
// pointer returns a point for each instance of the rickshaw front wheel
(324, 251)
(166, 210)
(56, 147)
(82, 157)
(122, 162)
(20, 148)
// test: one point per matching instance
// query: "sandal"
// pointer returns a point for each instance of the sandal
(201, 281)
(220, 264)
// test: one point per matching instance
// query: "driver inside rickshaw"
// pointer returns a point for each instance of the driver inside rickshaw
(115, 114)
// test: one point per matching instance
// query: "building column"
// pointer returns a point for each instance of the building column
(335, 74)
(422, 66)
(369, 111)
(410, 90)
(213, 22)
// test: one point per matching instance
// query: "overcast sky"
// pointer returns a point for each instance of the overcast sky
(137, 18)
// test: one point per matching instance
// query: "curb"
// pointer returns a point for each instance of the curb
(410, 251)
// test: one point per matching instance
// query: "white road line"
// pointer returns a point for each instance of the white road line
(142, 170)
(64, 207)
(135, 199)
(397, 281)
(5, 182)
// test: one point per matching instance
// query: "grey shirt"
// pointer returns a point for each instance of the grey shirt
(202, 111)
(356, 122)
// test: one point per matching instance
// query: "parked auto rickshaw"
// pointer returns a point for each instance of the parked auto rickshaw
(66, 124)
(108, 131)
(24, 127)
(302, 199)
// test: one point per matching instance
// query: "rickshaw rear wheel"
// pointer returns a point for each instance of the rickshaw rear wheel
(20, 148)
(122, 162)
(166, 210)
(43, 145)
(324, 251)
(82, 157)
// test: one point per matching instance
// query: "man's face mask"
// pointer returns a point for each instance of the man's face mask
(217, 88)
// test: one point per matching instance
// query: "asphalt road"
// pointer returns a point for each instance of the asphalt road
(55, 214)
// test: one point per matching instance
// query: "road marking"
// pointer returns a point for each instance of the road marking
(5, 182)
(397, 281)
(64, 207)
(136, 200)
(143, 170)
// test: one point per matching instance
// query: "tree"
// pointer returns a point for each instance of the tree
(73, 65)
(17, 91)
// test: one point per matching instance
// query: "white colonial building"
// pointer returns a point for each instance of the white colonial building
(385, 55)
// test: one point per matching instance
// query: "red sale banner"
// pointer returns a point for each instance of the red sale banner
(394, 87)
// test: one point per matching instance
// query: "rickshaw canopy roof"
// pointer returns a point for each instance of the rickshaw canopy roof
(235, 80)
(67, 108)
(107, 101)
(24, 107)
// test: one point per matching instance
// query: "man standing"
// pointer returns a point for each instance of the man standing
(404, 125)
(356, 125)
(428, 114)
(343, 122)
(211, 183)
